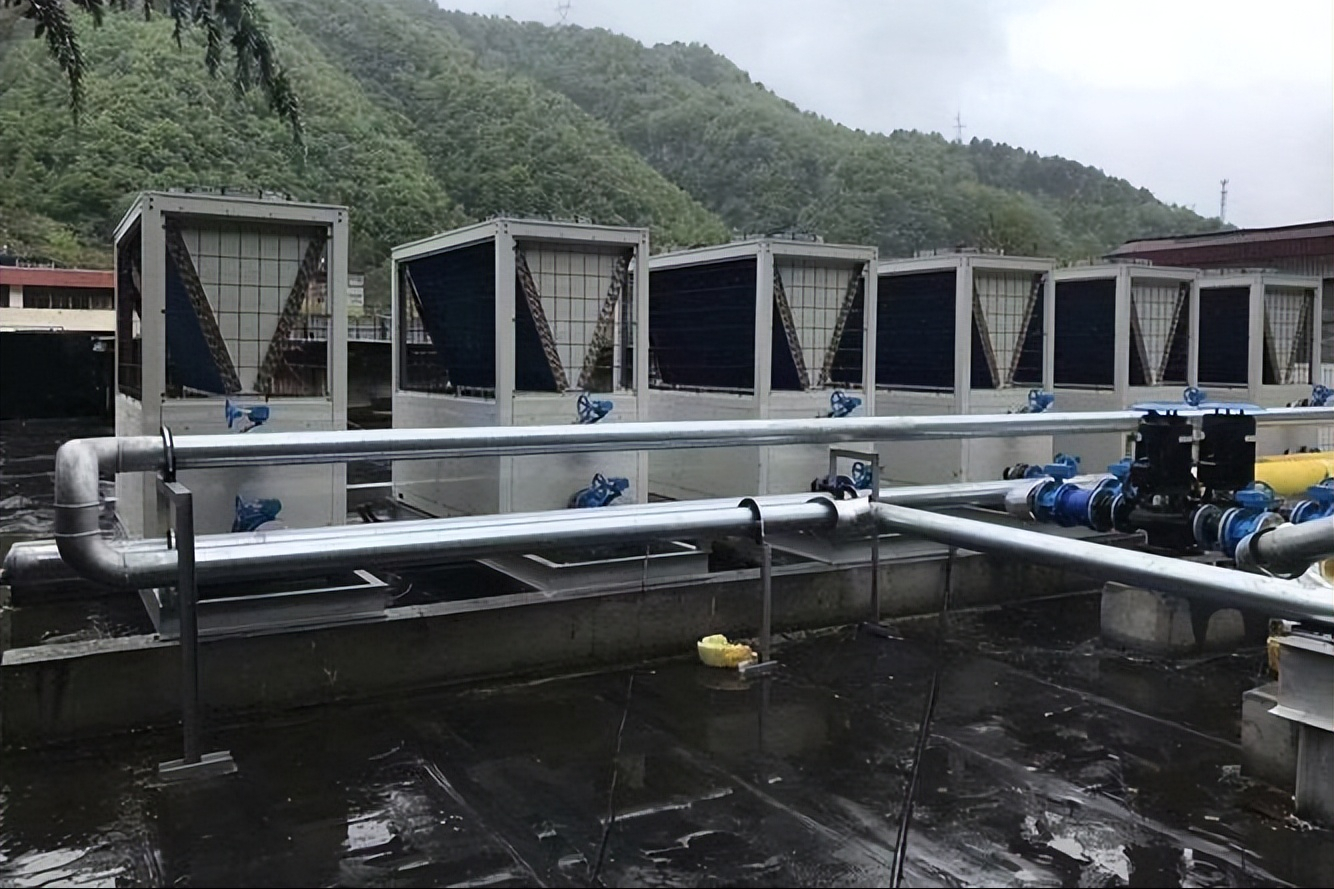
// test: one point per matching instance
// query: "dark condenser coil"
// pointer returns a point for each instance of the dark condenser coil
(1224, 336)
(702, 327)
(129, 315)
(1085, 333)
(914, 344)
(449, 338)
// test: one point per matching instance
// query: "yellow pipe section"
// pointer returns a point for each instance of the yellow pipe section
(1296, 458)
(1290, 478)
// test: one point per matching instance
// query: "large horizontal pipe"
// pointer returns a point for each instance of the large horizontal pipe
(444, 540)
(79, 462)
(1288, 550)
(207, 451)
(36, 565)
(1275, 597)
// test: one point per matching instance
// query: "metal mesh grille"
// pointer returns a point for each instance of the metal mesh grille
(1003, 303)
(819, 297)
(248, 272)
(582, 290)
(1287, 336)
(1158, 309)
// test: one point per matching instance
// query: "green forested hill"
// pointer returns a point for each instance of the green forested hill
(421, 120)
(762, 163)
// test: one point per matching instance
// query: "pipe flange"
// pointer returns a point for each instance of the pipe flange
(1019, 499)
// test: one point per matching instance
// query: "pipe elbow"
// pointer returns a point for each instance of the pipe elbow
(78, 508)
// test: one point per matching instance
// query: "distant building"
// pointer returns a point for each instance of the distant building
(1306, 249)
(40, 298)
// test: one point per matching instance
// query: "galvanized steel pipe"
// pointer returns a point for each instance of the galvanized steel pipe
(37, 565)
(1276, 597)
(439, 540)
(1287, 550)
(208, 451)
(78, 462)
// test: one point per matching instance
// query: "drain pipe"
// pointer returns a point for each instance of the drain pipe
(1276, 597)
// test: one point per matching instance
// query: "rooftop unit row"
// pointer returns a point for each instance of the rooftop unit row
(782, 328)
(520, 322)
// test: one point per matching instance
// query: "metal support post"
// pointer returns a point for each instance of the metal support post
(191, 764)
(766, 663)
(872, 459)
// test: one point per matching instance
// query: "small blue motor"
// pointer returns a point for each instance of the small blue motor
(256, 414)
(601, 492)
(590, 410)
(251, 514)
(841, 404)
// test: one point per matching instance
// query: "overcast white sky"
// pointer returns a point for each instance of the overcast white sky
(1173, 95)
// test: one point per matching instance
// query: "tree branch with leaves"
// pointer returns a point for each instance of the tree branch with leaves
(237, 23)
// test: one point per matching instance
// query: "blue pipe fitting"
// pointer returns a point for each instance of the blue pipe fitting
(1254, 512)
(251, 514)
(590, 410)
(1239, 523)
(1194, 396)
(255, 414)
(861, 475)
(600, 492)
(1320, 395)
(1039, 400)
(1319, 503)
(841, 404)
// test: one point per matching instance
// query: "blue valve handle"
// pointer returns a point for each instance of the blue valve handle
(1194, 396)
(1039, 401)
(600, 492)
(841, 404)
(257, 414)
(590, 410)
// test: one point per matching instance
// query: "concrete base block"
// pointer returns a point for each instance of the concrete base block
(1160, 623)
(1268, 742)
(210, 765)
(1315, 765)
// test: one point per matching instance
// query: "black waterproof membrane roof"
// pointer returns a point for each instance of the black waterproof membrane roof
(1052, 760)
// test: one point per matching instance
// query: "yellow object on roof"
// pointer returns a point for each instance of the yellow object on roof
(716, 651)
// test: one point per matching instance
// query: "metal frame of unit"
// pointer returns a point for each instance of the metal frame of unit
(1025, 283)
(230, 276)
(1150, 335)
(1295, 320)
(817, 296)
(573, 282)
